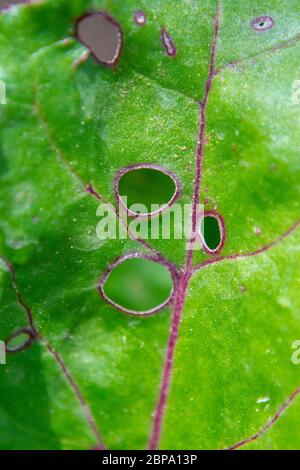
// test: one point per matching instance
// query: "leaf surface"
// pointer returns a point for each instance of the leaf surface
(223, 106)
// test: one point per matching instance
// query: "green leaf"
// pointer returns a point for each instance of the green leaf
(212, 369)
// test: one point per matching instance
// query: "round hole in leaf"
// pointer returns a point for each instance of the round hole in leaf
(140, 18)
(212, 232)
(137, 285)
(152, 187)
(263, 23)
(19, 340)
(102, 35)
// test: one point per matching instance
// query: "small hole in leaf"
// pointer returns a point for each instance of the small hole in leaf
(168, 43)
(19, 340)
(212, 232)
(146, 185)
(140, 18)
(102, 35)
(263, 23)
(137, 285)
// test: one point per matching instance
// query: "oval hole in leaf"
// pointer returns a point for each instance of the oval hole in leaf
(168, 43)
(146, 185)
(137, 285)
(19, 340)
(263, 23)
(212, 232)
(102, 35)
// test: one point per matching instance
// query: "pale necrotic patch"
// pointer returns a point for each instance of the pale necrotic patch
(146, 185)
(138, 285)
(212, 232)
(20, 340)
(168, 43)
(102, 35)
(140, 18)
(262, 23)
